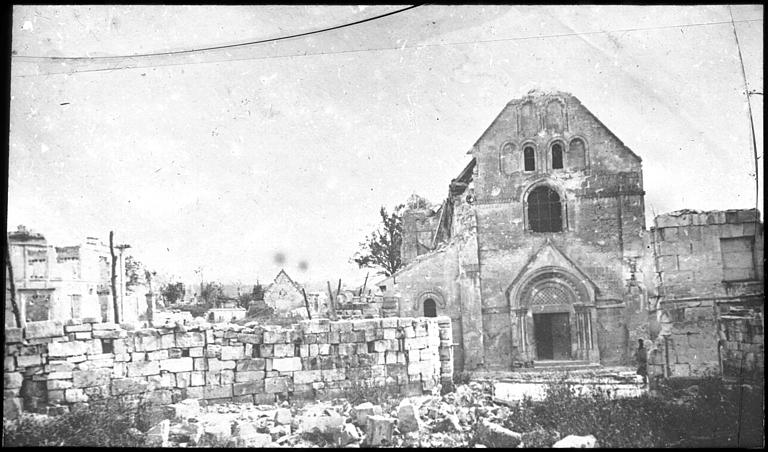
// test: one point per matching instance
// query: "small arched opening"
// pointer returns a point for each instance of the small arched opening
(430, 308)
(557, 156)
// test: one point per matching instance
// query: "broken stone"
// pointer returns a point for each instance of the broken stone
(364, 410)
(279, 431)
(283, 416)
(321, 419)
(495, 435)
(379, 430)
(187, 408)
(449, 423)
(247, 435)
(157, 436)
(588, 442)
(349, 434)
(408, 417)
(187, 432)
(218, 431)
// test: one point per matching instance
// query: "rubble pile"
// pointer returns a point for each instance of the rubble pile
(469, 416)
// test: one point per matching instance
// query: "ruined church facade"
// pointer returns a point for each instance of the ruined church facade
(540, 252)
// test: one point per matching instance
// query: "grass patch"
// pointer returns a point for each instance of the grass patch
(102, 425)
(712, 415)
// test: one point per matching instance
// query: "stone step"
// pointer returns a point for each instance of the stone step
(563, 364)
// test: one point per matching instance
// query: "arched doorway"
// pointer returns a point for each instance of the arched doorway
(430, 308)
(551, 303)
(552, 314)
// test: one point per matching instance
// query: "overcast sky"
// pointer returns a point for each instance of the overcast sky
(225, 158)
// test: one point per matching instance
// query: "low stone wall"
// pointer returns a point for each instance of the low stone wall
(49, 365)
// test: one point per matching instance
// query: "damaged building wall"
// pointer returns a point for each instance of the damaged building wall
(709, 316)
(58, 282)
(49, 363)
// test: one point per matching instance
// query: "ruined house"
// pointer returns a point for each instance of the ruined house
(540, 254)
(284, 295)
(63, 282)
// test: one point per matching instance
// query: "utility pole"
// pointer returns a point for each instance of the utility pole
(14, 305)
(122, 278)
(114, 276)
(747, 93)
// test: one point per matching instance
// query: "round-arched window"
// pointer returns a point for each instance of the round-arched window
(557, 156)
(544, 210)
(529, 158)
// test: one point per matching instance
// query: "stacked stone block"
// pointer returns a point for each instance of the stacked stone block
(50, 366)
(742, 340)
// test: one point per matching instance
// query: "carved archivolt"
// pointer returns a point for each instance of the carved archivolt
(549, 286)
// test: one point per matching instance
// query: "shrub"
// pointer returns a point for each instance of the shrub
(461, 377)
(104, 425)
(710, 414)
(362, 391)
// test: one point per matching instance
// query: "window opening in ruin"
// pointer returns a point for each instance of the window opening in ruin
(557, 156)
(371, 347)
(107, 346)
(529, 157)
(544, 210)
(430, 308)
(738, 258)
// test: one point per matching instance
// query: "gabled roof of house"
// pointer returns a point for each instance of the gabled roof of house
(291, 281)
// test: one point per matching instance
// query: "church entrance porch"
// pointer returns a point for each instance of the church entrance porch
(552, 315)
(552, 333)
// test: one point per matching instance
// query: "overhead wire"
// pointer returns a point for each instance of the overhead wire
(224, 46)
(373, 49)
(751, 121)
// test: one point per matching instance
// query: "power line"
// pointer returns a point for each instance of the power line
(221, 47)
(374, 49)
(751, 121)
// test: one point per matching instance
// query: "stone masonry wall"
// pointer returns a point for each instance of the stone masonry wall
(742, 340)
(707, 321)
(50, 364)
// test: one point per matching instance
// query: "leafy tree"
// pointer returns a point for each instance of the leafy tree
(381, 249)
(213, 293)
(172, 292)
(257, 294)
(134, 272)
(417, 202)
